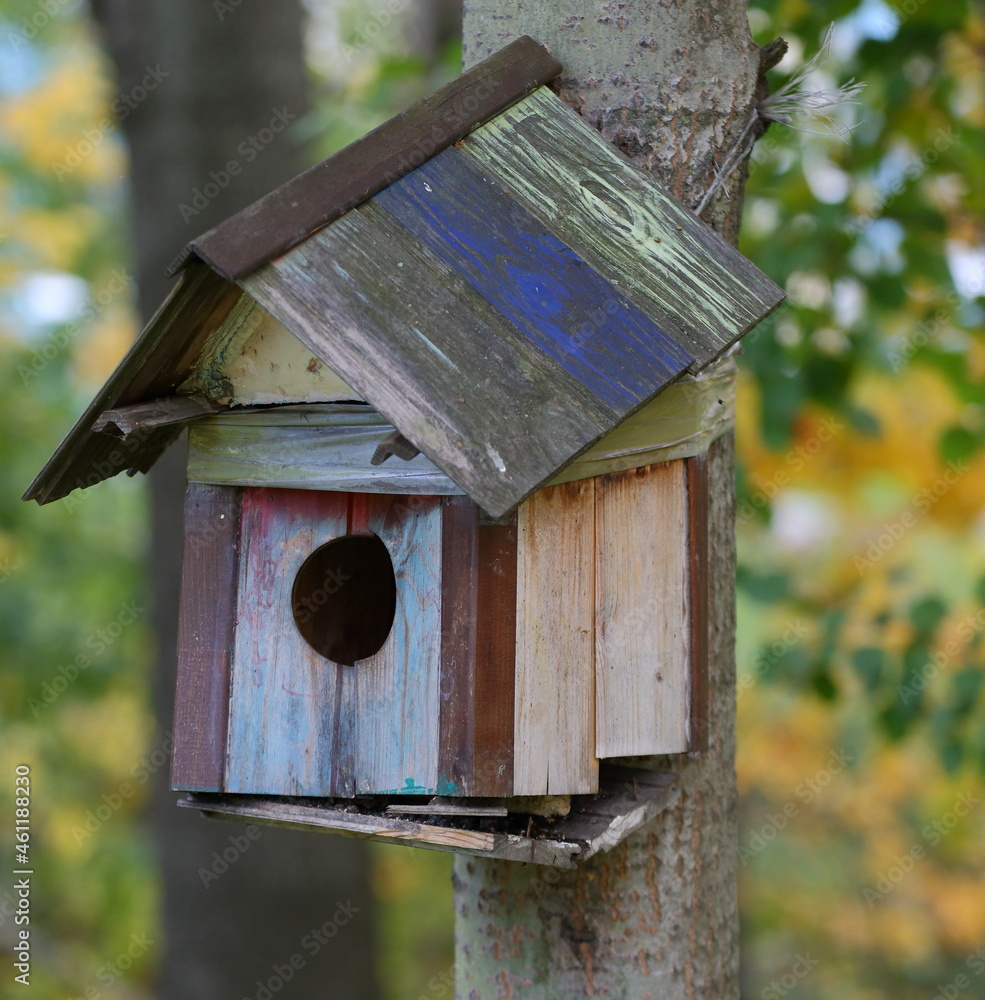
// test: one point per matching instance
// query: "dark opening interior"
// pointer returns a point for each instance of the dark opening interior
(344, 598)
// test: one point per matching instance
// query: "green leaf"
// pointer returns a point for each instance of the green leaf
(926, 614)
(869, 663)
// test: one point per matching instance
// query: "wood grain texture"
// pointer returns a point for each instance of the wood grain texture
(309, 447)
(699, 584)
(209, 575)
(541, 286)
(695, 286)
(642, 624)
(157, 363)
(439, 365)
(124, 420)
(478, 642)
(554, 728)
(322, 194)
(300, 725)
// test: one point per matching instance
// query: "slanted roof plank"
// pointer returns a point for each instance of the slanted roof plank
(448, 370)
(675, 267)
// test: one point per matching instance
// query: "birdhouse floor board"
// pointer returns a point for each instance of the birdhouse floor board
(205, 636)
(695, 286)
(438, 365)
(642, 612)
(554, 726)
(325, 192)
(541, 286)
(627, 799)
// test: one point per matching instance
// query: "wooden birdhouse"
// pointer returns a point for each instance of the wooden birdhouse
(445, 521)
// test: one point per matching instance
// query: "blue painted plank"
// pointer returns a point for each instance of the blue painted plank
(540, 285)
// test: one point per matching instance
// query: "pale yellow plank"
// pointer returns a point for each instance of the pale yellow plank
(554, 725)
(642, 667)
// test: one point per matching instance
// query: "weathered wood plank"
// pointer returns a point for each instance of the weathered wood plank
(124, 420)
(642, 624)
(209, 575)
(322, 194)
(252, 360)
(157, 363)
(495, 670)
(310, 447)
(699, 583)
(282, 719)
(542, 287)
(301, 725)
(554, 729)
(694, 285)
(438, 365)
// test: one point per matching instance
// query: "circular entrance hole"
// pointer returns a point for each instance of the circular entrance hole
(344, 598)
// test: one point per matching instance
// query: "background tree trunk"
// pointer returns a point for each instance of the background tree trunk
(671, 82)
(229, 66)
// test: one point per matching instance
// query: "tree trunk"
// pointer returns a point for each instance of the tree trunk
(671, 83)
(223, 68)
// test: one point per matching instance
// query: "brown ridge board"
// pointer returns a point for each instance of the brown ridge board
(320, 195)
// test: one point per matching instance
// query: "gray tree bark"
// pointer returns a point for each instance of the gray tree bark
(672, 83)
(223, 69)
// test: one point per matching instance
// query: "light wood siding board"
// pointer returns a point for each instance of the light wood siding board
(694, 285)
(433, 356)
(300, 725)
(554, 725)
(642, 665)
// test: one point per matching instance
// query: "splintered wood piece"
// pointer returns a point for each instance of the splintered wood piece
(205, 636)
(158, 362)
(434, 356)
(323, 193)
(446, 807)
(695, 286)
(543, 288)
(300, 724)
(394, 444)
(554, 729)
(165, 412)
(642, 617)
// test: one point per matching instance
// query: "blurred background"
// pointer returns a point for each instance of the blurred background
(861, 522)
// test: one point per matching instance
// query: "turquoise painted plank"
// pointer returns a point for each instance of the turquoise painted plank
(539, 284)
(301, 725)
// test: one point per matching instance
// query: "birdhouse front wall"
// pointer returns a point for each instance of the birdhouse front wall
(520, 652)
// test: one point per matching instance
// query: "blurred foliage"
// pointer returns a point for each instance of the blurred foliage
(860, 521)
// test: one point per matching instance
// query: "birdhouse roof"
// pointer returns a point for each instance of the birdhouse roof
(484, 269)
